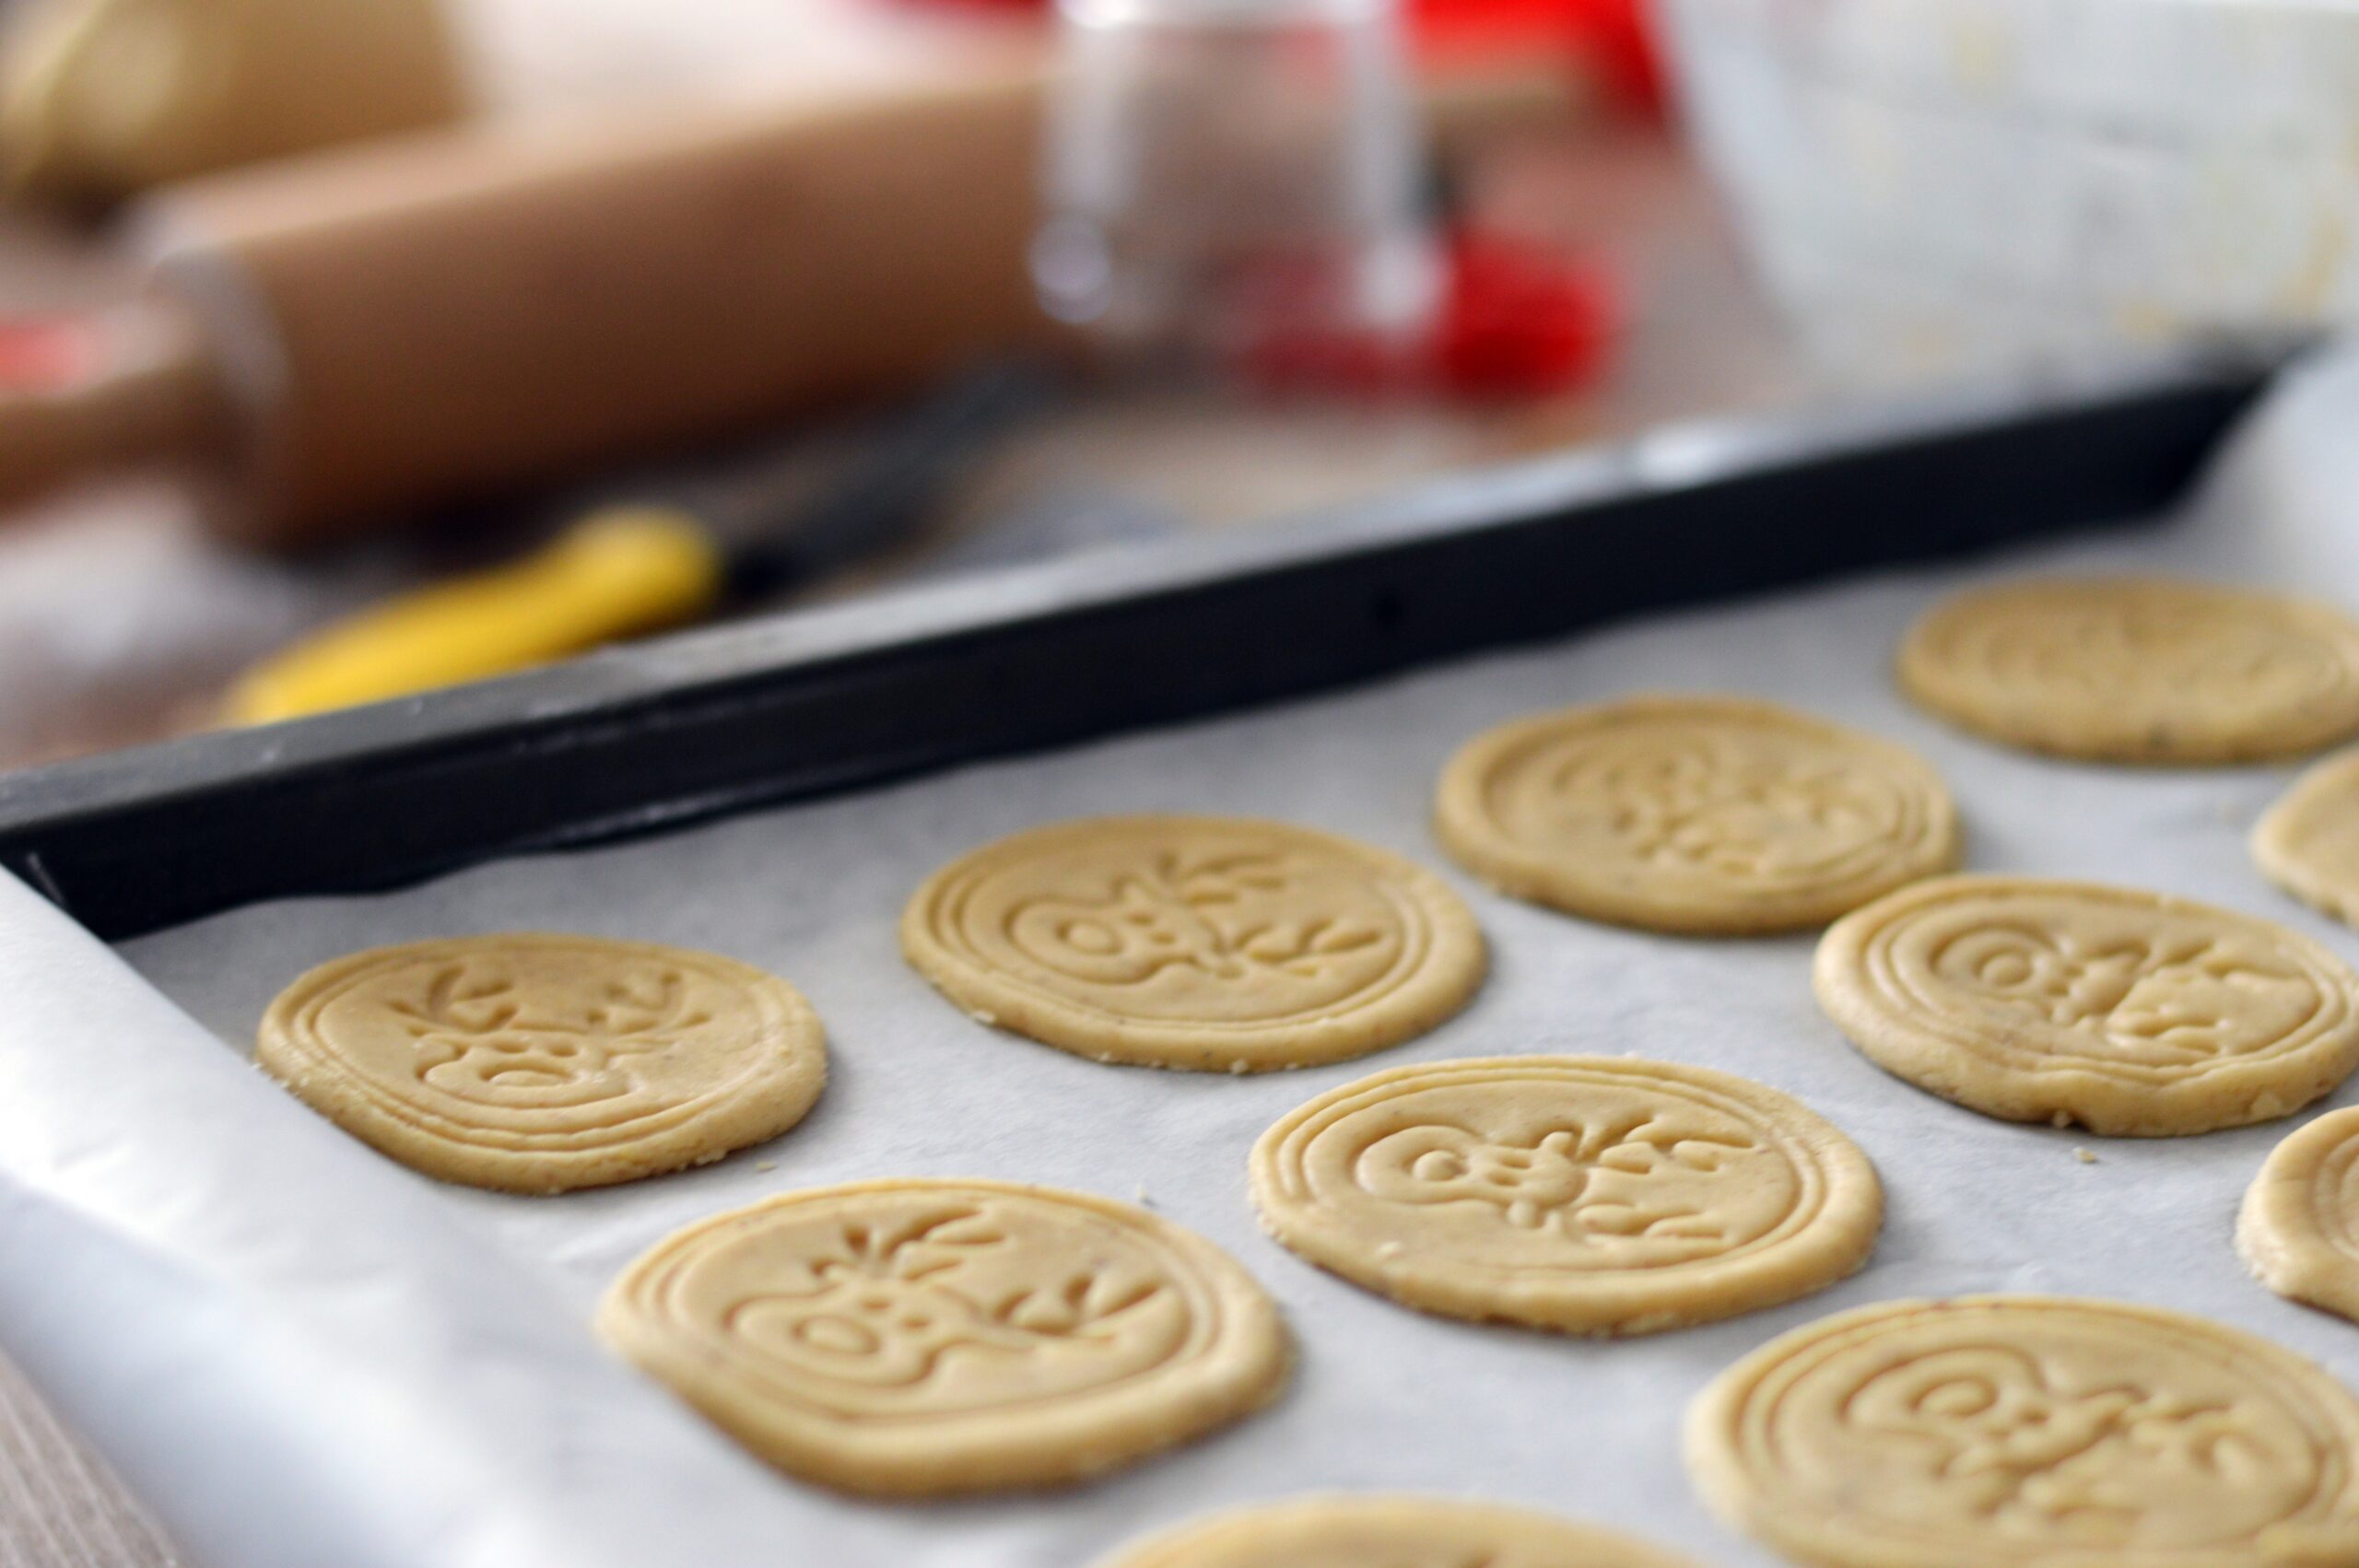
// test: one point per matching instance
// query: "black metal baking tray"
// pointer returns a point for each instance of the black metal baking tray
(640, 738)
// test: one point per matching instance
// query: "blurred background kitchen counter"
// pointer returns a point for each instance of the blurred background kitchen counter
(121, 618)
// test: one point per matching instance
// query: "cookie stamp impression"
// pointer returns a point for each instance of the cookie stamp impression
(2030, 1432)
(2128, 1012)
(2138, 670)
(1591, 1195)
(1392, 1532)
(2299, 1227)
(1205, 943)
(1701, 816)
(538, 1063)
(923, 1338)
(2308, 842)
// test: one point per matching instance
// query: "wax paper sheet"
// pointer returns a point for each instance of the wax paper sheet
(305, 1355)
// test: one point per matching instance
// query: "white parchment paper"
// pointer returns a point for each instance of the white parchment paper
(304, 1355)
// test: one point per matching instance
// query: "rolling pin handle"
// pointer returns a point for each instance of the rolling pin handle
(81, 392)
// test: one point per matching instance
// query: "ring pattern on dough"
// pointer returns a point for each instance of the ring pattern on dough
(2138, 670)
(1584, 1194)
(2307, 843)
(2026, 1432)
(927, 1337)
(2299, 1226)
(1214, 943)
(1693, 814)
(2123, 1011)
(538, 1062)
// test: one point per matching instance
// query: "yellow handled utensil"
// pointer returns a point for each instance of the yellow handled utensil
(625, 571)
(618, 573)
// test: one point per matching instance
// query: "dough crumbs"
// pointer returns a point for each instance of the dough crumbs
(2084, 1156)
(766, 1165)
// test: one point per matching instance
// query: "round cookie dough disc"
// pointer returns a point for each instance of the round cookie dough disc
(2299, 1226)
(538, 1063)
(925, 1338)
(1591, 1195)
(2138, 670)
(2128, 1012)
(1698, 816)
(2308, 842)
(1390, 1532)
(2030, 1432)
(1207, 943)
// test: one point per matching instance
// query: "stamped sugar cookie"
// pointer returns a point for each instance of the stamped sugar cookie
(1591, 1195)
(538, 1063)
(2308, 842)
(936, 1336)
(2128, 1012)
(1205, 943)
(1392, 1532)
(2299, 1227)
(2138, 670)
(2030, 1432)
(1704, 815)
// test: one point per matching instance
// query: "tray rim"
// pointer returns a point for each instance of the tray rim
(126, 841)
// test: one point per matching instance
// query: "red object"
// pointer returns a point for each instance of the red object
(1517, 320)
(1523, 320)
(1613, 38)
(40, 354)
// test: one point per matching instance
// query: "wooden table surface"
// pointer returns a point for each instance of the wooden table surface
(119, 619)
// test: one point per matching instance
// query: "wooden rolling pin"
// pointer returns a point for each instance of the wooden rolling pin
(361, 334)
(453, 314)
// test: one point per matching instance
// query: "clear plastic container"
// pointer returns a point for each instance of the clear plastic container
(1224, 173)
(1940, 184)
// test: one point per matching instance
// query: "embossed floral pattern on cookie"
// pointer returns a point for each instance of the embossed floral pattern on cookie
(1392, 1532)
(538, 1062)
(1694, 815)
(929, 1336)
(2125, 1012)
(1195, 941)
(2141, 670)
(1585, 1194)
(2299, 1225)
(2026, 1431)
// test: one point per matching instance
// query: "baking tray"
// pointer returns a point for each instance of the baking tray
(640, 738)
(303, 1354)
